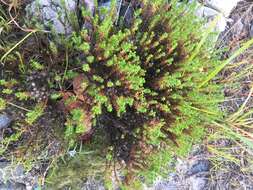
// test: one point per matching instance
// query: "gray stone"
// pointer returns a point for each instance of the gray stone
(14, 177)
(210, 9)
(10, 172)
(198, 183)
(12, 186)
(53, 14)
(18, 172)
(223, 6)
(166, 186)
(200, 166)
(89, 4)
(5, 121)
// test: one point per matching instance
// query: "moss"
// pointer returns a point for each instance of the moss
(138, 83)
(158, 66)
(86, 163)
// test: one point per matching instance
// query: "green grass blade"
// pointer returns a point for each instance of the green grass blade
(220, 67)
(209, 30)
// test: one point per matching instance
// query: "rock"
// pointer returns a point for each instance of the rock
(89, 4)
(57, 15)
(198, 150)
(12, 186)
(92, 184)
(200, 166)
(18, 171)
(225, 6)
(210, 9)
(210, 15)
(8, 179)
(9, 172)
(53, 14)
(14, 177)
(166, 186)
(5, 121)
(198, 183)
(62, 18)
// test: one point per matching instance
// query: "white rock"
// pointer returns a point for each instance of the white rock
(225, 6)
(211, 9)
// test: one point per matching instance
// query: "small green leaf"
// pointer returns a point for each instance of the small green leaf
(33, 115)
(7, 91)
(86, 67)
(2, 104)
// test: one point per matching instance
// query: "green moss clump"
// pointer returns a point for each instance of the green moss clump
(141, 82)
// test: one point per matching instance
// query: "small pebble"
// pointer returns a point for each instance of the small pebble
(5, 121)
(200, 166)
(72, 153)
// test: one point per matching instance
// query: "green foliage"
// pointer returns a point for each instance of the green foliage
(88, 162)
(77, 120)
(7, 91)
(55, 96)
(8, 140)
(123, 103)
(9, 83)
(74, 171)
(2, 104)
(36, 65)
(146, 80)
(33, 115)
(142, 83)
(22, 95)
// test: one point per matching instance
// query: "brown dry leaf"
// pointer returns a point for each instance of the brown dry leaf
(71, 104)
(87, 119)
(81, 101)
(78, 86)
(88, 124)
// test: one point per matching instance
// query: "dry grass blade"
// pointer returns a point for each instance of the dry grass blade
(234, 116)
(15, 46)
